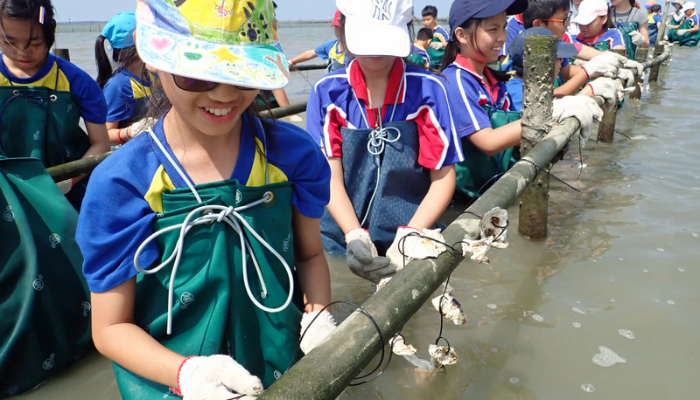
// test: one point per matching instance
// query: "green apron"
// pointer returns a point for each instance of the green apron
(603, 45)
(435, 55)
(479, 171)
(626, 28)
(213, 312)
(44, 301)
(689, 40)
(49, 128)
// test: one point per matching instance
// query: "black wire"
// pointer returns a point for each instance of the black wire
(381, 341)
(550, 174)
(613, 129)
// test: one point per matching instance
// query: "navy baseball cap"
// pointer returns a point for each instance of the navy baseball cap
(516, 48)
(464, 10)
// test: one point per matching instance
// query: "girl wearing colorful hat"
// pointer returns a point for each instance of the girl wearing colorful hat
(43, 121)
(483, 112)
(201, 236)
(387, 131)
(127, 89)
(596, 26)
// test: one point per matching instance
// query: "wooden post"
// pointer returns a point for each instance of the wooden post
(639, 80)
(662, 28)
(538, 93)
(654, 72)
(606, 129)
(63, 53)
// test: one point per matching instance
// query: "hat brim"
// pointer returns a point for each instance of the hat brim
(566, 50)
(495, 7)
(584, 19)
(365, 39)
(251, 66)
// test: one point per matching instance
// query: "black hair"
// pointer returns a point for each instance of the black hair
(453, 48)
(610, 24)
(123, 57)
(274, 5)
(424, 34)
(429, 10)
(655, 8)
(39, 12)
(543, 9)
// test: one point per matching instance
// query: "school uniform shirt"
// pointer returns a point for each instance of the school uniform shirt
(694, 20)
(61, 75)
(441, 33)
(633, 15)
(122, 200)
(612, 36)
(567, 38)
(122, 92)
(468, 93)
(329, 50)
(514, 87)
(514, 26)
(419, 96)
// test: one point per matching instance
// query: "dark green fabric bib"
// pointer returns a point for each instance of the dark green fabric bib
(479, 171)
(212, 312)
(41, 123)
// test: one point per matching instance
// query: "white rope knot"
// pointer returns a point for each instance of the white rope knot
(209, 214)
(379, 137)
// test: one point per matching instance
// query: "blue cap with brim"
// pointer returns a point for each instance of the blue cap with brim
(464, 10)
(516, 48)
(120, 30)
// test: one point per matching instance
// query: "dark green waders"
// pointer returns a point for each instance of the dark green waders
(44, 299)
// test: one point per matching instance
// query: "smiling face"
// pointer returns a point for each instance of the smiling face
(592, 30)
(214, 113)
(485, 42)
(23, 46)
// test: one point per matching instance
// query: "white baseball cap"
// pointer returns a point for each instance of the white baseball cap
(688, 6)
(589, 10)
(377, 28)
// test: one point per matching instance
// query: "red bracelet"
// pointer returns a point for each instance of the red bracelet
(176, 390)
(119, 136)
(591, 86)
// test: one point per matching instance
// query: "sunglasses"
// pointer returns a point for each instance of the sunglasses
(563, 21)
(198, 85)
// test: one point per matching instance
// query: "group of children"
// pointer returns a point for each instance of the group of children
(684, 25)
(203, 236)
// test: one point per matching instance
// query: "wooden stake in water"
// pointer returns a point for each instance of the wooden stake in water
(639, 81)
(538, 93)
(606, 130)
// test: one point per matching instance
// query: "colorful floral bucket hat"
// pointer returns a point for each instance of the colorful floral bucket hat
(226, 41)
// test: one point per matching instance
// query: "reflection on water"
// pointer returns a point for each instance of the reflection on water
(615, 276)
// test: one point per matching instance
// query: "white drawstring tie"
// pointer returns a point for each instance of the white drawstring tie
(209, 214)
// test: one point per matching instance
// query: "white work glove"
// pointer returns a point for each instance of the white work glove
(65, 186)
(608, 88)
(636, 38)
(436, 45)
(315, 331)
(583, 108)
(606, 64)
(681, 32)
(141, 125)
(410, 243)
(216, 377)
(628, 64)
(362, 258)
(627, 77)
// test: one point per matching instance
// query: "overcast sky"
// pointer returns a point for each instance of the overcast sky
(103, 10)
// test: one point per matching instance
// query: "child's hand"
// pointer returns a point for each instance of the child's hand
(636, 38)
(606, 64)
(315, 329)
(216, 377)
(627, 77)
(608, 88)
(583, 108)
(361, 257)
(436, 45)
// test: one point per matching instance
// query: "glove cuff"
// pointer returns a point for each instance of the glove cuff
(591, 86)
(178, 390)
(357, 233)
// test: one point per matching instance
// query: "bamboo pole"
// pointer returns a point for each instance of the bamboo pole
(538, 93)
(309, 67)
(642, 54)
(76, 168)
(662, 29)
(279, 112)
